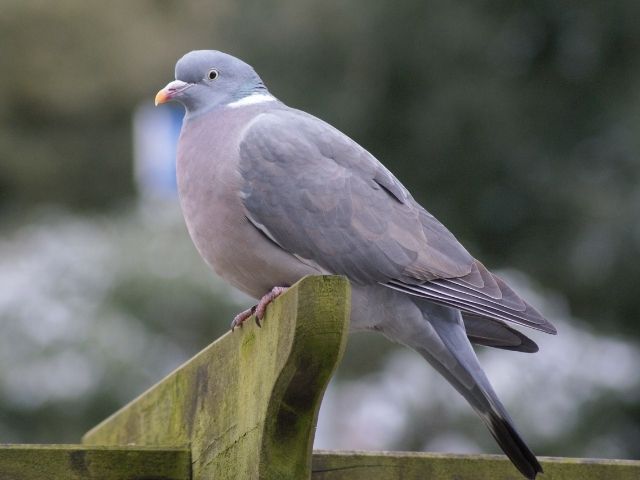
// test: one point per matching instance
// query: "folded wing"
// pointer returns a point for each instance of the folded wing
(323, 198)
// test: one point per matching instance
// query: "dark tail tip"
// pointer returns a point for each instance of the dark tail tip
(515, 448)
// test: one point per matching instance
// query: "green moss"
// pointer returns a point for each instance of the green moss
(433, 466)
(77, 462)
(247, 405)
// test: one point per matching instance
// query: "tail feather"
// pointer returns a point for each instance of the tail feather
(468, 379)
(512, 444)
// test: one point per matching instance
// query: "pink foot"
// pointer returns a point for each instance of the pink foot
(239, 319)
(260, 309)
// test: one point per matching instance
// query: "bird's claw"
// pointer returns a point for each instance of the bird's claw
(239, 319)
(259, 310)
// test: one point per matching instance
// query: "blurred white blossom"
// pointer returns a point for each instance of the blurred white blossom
(545, 392)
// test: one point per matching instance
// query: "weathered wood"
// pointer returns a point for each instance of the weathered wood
(247, 405)
(345, 465)
(246, 408)
(78, 462)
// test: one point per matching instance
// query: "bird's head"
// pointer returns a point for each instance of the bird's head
(207, 78)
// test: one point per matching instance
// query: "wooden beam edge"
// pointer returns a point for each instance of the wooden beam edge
(462, 456)
(323, 307)
(86, 438)
(363, 465)
(81, 462)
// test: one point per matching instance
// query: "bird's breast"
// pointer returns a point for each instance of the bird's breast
(209, 185)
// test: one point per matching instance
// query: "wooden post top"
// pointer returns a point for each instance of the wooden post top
(246, 408)
(247, 405)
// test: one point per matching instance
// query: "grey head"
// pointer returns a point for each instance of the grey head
(207, 79)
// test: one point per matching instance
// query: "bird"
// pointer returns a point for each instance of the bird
(271, 194)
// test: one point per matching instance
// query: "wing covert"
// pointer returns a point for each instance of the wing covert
(322, 197)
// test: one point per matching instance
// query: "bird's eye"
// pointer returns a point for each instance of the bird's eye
(213, 74)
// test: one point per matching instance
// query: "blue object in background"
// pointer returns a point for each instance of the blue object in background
(155, 141)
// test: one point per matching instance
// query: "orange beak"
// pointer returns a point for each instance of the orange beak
(172, 90)
(162, 97)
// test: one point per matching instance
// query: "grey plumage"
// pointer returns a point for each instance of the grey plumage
(494, 333)
(271, 194)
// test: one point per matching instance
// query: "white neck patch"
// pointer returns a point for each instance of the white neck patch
(252, 100)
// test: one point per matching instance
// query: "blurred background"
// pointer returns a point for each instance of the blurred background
(515, 123)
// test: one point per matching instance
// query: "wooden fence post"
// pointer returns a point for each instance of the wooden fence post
(247, 405)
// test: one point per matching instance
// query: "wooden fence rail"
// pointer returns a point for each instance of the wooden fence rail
(246, 408)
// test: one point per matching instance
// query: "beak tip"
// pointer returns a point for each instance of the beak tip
(172, 90)
(161, 97)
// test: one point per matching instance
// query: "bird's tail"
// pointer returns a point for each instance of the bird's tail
(458, 363)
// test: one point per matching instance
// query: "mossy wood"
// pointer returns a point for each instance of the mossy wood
(247, 405)
(77, 462)
(246, 408)
(346, 465)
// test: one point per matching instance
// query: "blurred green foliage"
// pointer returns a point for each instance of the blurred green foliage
(515, 123)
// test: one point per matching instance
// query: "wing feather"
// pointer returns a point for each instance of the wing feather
(320, 196)
(496, 334)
